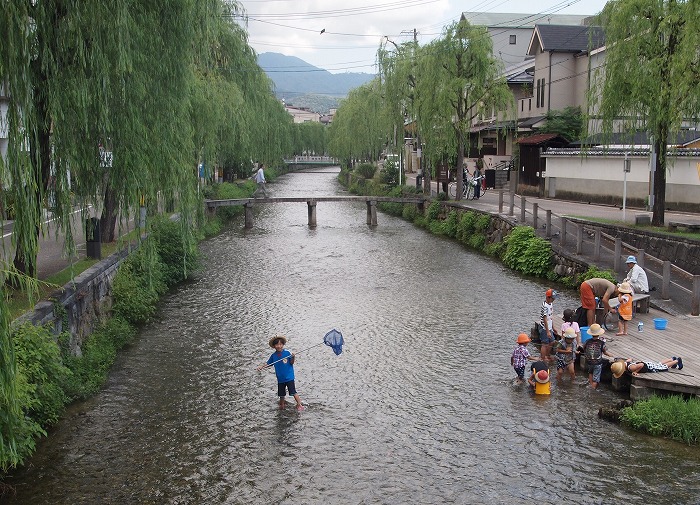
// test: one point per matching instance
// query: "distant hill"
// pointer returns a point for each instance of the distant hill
(294, 78)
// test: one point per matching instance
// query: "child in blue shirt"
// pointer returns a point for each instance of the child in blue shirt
(283, 361)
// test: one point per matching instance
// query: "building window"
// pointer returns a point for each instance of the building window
(522, 105)
(513, 39)
(537, 94)
(529, 104)
(542, 93)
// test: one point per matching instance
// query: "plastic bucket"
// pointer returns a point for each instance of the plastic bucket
(660, 323)
(584, 334)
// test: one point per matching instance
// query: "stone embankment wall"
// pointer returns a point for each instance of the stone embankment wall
(499, 228)
(682, 252)
(79, 306)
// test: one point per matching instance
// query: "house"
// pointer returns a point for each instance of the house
(511, 33)
(534, 49)
(302, 114)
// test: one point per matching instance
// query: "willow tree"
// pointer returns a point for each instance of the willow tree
(357, 130)
(650, 79)
(458, 79)
(84, 79)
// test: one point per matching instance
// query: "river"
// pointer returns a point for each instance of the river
(419, 408)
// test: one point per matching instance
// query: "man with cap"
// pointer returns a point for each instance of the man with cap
(636, 276)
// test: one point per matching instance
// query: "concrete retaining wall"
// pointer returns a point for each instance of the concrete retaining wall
(79, 306)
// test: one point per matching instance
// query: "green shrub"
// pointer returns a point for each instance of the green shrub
(466, 226)
(593, 272)
(450, 224)
(477, 241)
(390, 173)
(527, 253)
(366, 170)
(433, 211)
(482, 222)
(229, 191)
(178, 256)
(495, 249)
(39, 361)
(410, 212)
(136, 288)
(670, 416)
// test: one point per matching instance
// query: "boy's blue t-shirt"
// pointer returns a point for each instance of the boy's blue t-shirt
(283, 369)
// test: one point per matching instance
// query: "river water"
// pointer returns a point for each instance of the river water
(418, 409)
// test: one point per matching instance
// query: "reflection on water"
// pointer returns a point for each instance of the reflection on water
(419, 408)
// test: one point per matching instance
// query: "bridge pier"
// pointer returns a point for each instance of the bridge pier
(372, 212)
(248, 215)
(312, 213)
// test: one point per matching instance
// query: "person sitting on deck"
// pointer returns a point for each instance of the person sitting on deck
(636, 276)
(618, 368)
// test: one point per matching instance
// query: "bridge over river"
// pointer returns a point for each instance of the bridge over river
(311, 202)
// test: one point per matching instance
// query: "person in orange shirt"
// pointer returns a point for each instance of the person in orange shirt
(624, 310)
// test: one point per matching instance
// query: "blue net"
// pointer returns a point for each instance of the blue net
(334, 339)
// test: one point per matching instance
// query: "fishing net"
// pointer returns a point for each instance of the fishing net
(334, 339)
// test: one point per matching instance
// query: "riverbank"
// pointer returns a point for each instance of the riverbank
(679, 337)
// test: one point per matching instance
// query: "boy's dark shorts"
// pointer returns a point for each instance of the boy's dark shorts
(543, 335)
(282, 386)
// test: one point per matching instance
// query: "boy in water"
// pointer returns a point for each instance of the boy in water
(594, 349)
(283, 361)
(520, 357)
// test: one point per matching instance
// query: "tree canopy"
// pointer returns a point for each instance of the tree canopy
(650, 80)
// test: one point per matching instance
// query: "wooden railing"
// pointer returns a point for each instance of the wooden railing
(588, 236)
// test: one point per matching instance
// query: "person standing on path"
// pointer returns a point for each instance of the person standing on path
(636, 276)
(260, 180)
(592, 288)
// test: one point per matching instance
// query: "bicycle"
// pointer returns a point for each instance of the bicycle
(608, 320)
(467, 188)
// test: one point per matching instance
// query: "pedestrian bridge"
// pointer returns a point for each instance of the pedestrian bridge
(311, 202)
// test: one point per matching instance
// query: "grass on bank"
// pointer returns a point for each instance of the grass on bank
(655, 229)
(668, 416)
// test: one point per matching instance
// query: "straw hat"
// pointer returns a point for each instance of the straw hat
(595, 330)
(542, 376)
(277, 337)
(618, 368)
(569, 333)
(625, 288)
(523, 339)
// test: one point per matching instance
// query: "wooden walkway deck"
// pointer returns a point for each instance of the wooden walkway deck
(680, 338)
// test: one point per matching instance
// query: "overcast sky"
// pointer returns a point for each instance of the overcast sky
(354, 29)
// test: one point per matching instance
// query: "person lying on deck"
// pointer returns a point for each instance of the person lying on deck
(618, 368)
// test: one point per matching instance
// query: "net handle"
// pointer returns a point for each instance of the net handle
(295, 355)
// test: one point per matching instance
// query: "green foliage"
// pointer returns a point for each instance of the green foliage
(527, 253)
(568, 123)
(177, 250)
(477, 241)
(99, 350)
(670, 416)
(466, 226)
(495, 249)
(39, 360)
(390, 173)
(136, 287)
(366, 170)
(482, 223)
(434, 211)
(451, 224)
(410, 212)
(593, 272)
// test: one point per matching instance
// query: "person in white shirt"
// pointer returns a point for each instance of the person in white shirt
(260, 180)
(636, 276)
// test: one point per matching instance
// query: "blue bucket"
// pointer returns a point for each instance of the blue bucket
(584, 334)
(660, 323)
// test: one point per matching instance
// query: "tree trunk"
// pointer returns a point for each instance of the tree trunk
(108, 220)
(658, 209)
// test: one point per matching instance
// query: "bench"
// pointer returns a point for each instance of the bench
(674, 225)
(640, 303)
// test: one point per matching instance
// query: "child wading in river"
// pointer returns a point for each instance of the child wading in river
(520, 357)
(283, 361)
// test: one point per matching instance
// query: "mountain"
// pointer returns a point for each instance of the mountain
(294, 78)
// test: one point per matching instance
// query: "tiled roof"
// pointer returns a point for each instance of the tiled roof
(539, 138)
(510, 20)
(569, 39)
